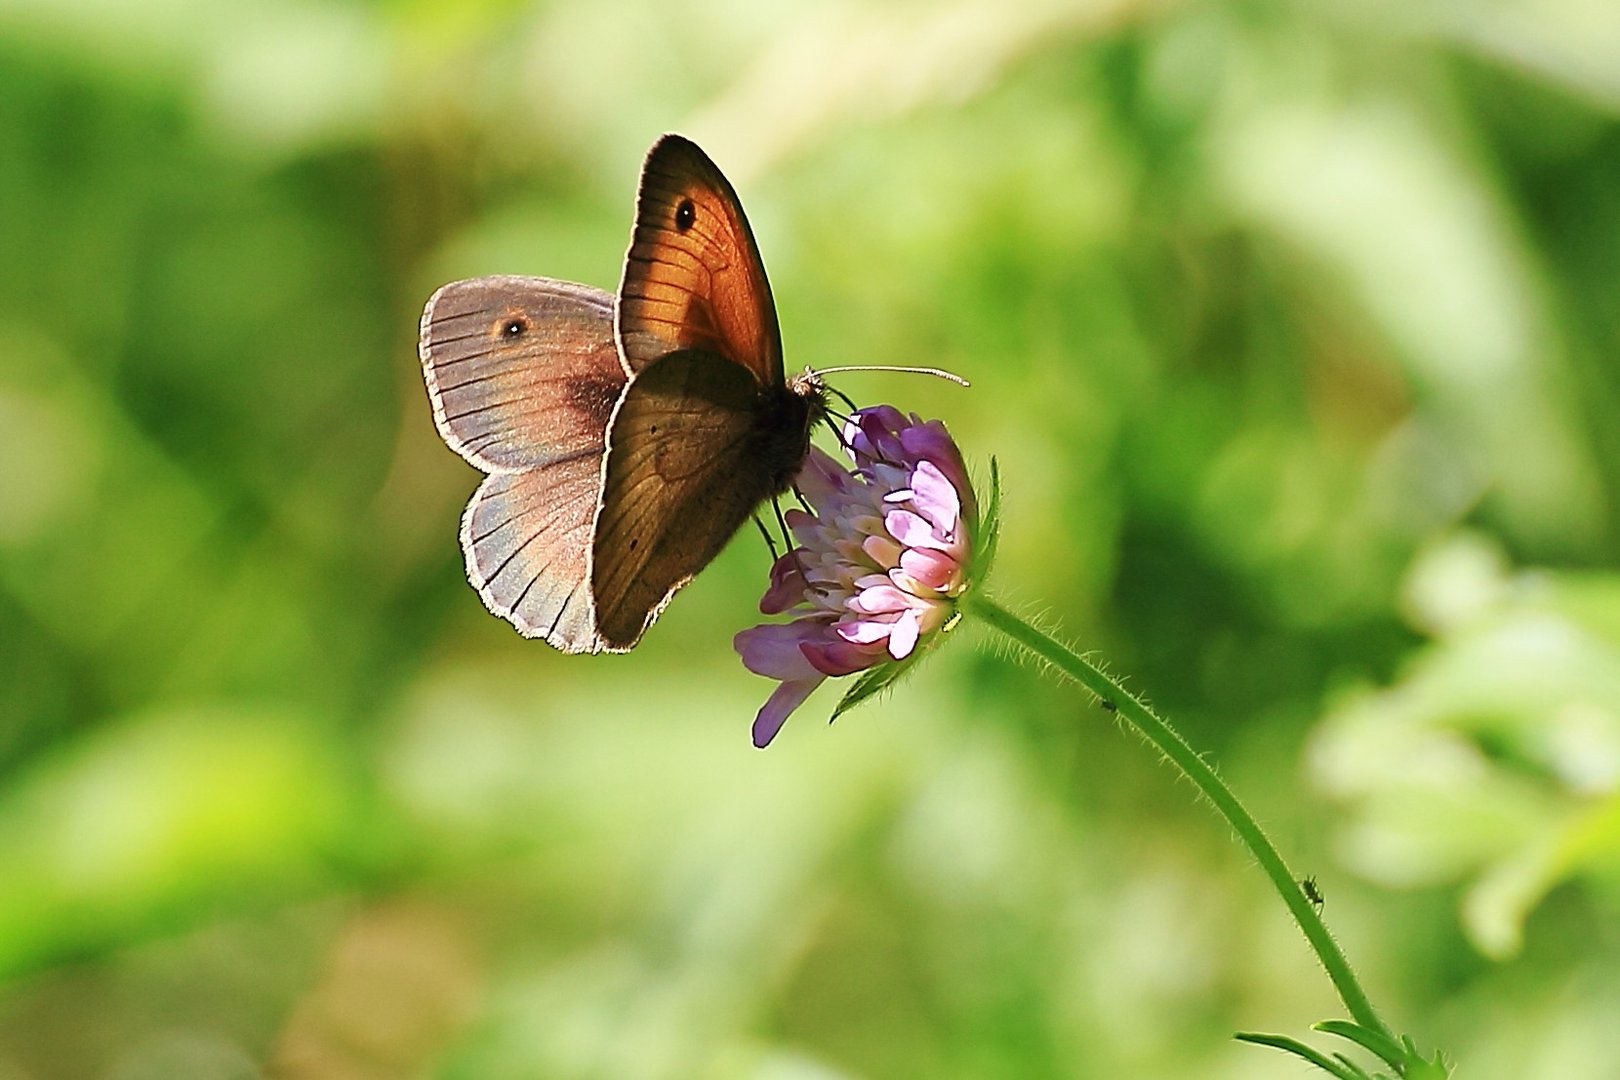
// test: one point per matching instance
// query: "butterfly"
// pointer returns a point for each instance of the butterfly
(626, 438)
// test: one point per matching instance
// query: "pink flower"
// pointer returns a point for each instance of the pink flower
(881, 562)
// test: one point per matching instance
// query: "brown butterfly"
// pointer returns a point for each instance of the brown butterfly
(626, 439)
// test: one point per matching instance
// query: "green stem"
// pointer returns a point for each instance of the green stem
(1170, 743)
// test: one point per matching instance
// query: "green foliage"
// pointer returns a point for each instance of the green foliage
(1292, 324)
(1401, 1055)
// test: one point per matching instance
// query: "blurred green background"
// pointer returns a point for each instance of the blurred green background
(1293, 326)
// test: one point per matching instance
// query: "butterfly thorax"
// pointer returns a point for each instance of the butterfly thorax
(787, 413)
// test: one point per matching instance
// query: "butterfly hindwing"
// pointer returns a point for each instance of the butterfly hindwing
(526, 547)
(685, 468)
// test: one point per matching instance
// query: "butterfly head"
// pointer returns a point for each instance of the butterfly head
(810, 388)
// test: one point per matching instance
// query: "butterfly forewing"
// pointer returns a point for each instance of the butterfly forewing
(693, 278)
(520, 370)
(523, 374)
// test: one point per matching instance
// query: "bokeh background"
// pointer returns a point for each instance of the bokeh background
(1293, 326)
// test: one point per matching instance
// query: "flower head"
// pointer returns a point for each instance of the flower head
(882, 558)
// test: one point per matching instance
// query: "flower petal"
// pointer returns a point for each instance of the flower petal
(772, 649)
(934, 497)
(882, 550)
(911, 530)
(932, 443)
(872, 434)
(806, 528)
(862, 631)
(779, 706)
(821, 477)
(836, 657)
(787, 587)
(932, 569)
(903, 638)
(881, 599)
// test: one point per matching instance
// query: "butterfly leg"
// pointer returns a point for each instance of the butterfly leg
(770, 541)
(796, 551)
(803, 504)
(835, 422)
(781, 521)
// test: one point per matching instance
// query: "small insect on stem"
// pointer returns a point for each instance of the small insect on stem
(1312, 893)
(1106, 704)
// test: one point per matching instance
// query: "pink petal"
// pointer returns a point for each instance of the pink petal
(873, 434)
(932, 443)
(821, 476)
(837, 657)
(773, 649)
(933, 569)
(862, 631)
(882, 550)
(935, 497)
(805, 527)
(787, 586)
(911, 530)
(882, 600)
(903, 638)
(779, 706)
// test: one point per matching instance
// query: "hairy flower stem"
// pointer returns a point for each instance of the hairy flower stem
(1169, 742)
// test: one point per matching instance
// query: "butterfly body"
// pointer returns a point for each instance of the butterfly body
(627, 437)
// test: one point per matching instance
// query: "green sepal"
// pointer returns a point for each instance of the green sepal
(872, 681)
(1374, 1042)
(1342, 1069)
(1403, 1056)
(986, 531)
(877, 679)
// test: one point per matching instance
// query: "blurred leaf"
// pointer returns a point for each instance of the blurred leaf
(135, 824)
(1496, 757)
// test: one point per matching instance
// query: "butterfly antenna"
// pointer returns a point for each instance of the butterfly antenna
(938, 373)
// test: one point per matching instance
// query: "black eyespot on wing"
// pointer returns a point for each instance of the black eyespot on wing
(513, 326)
(685, 215)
